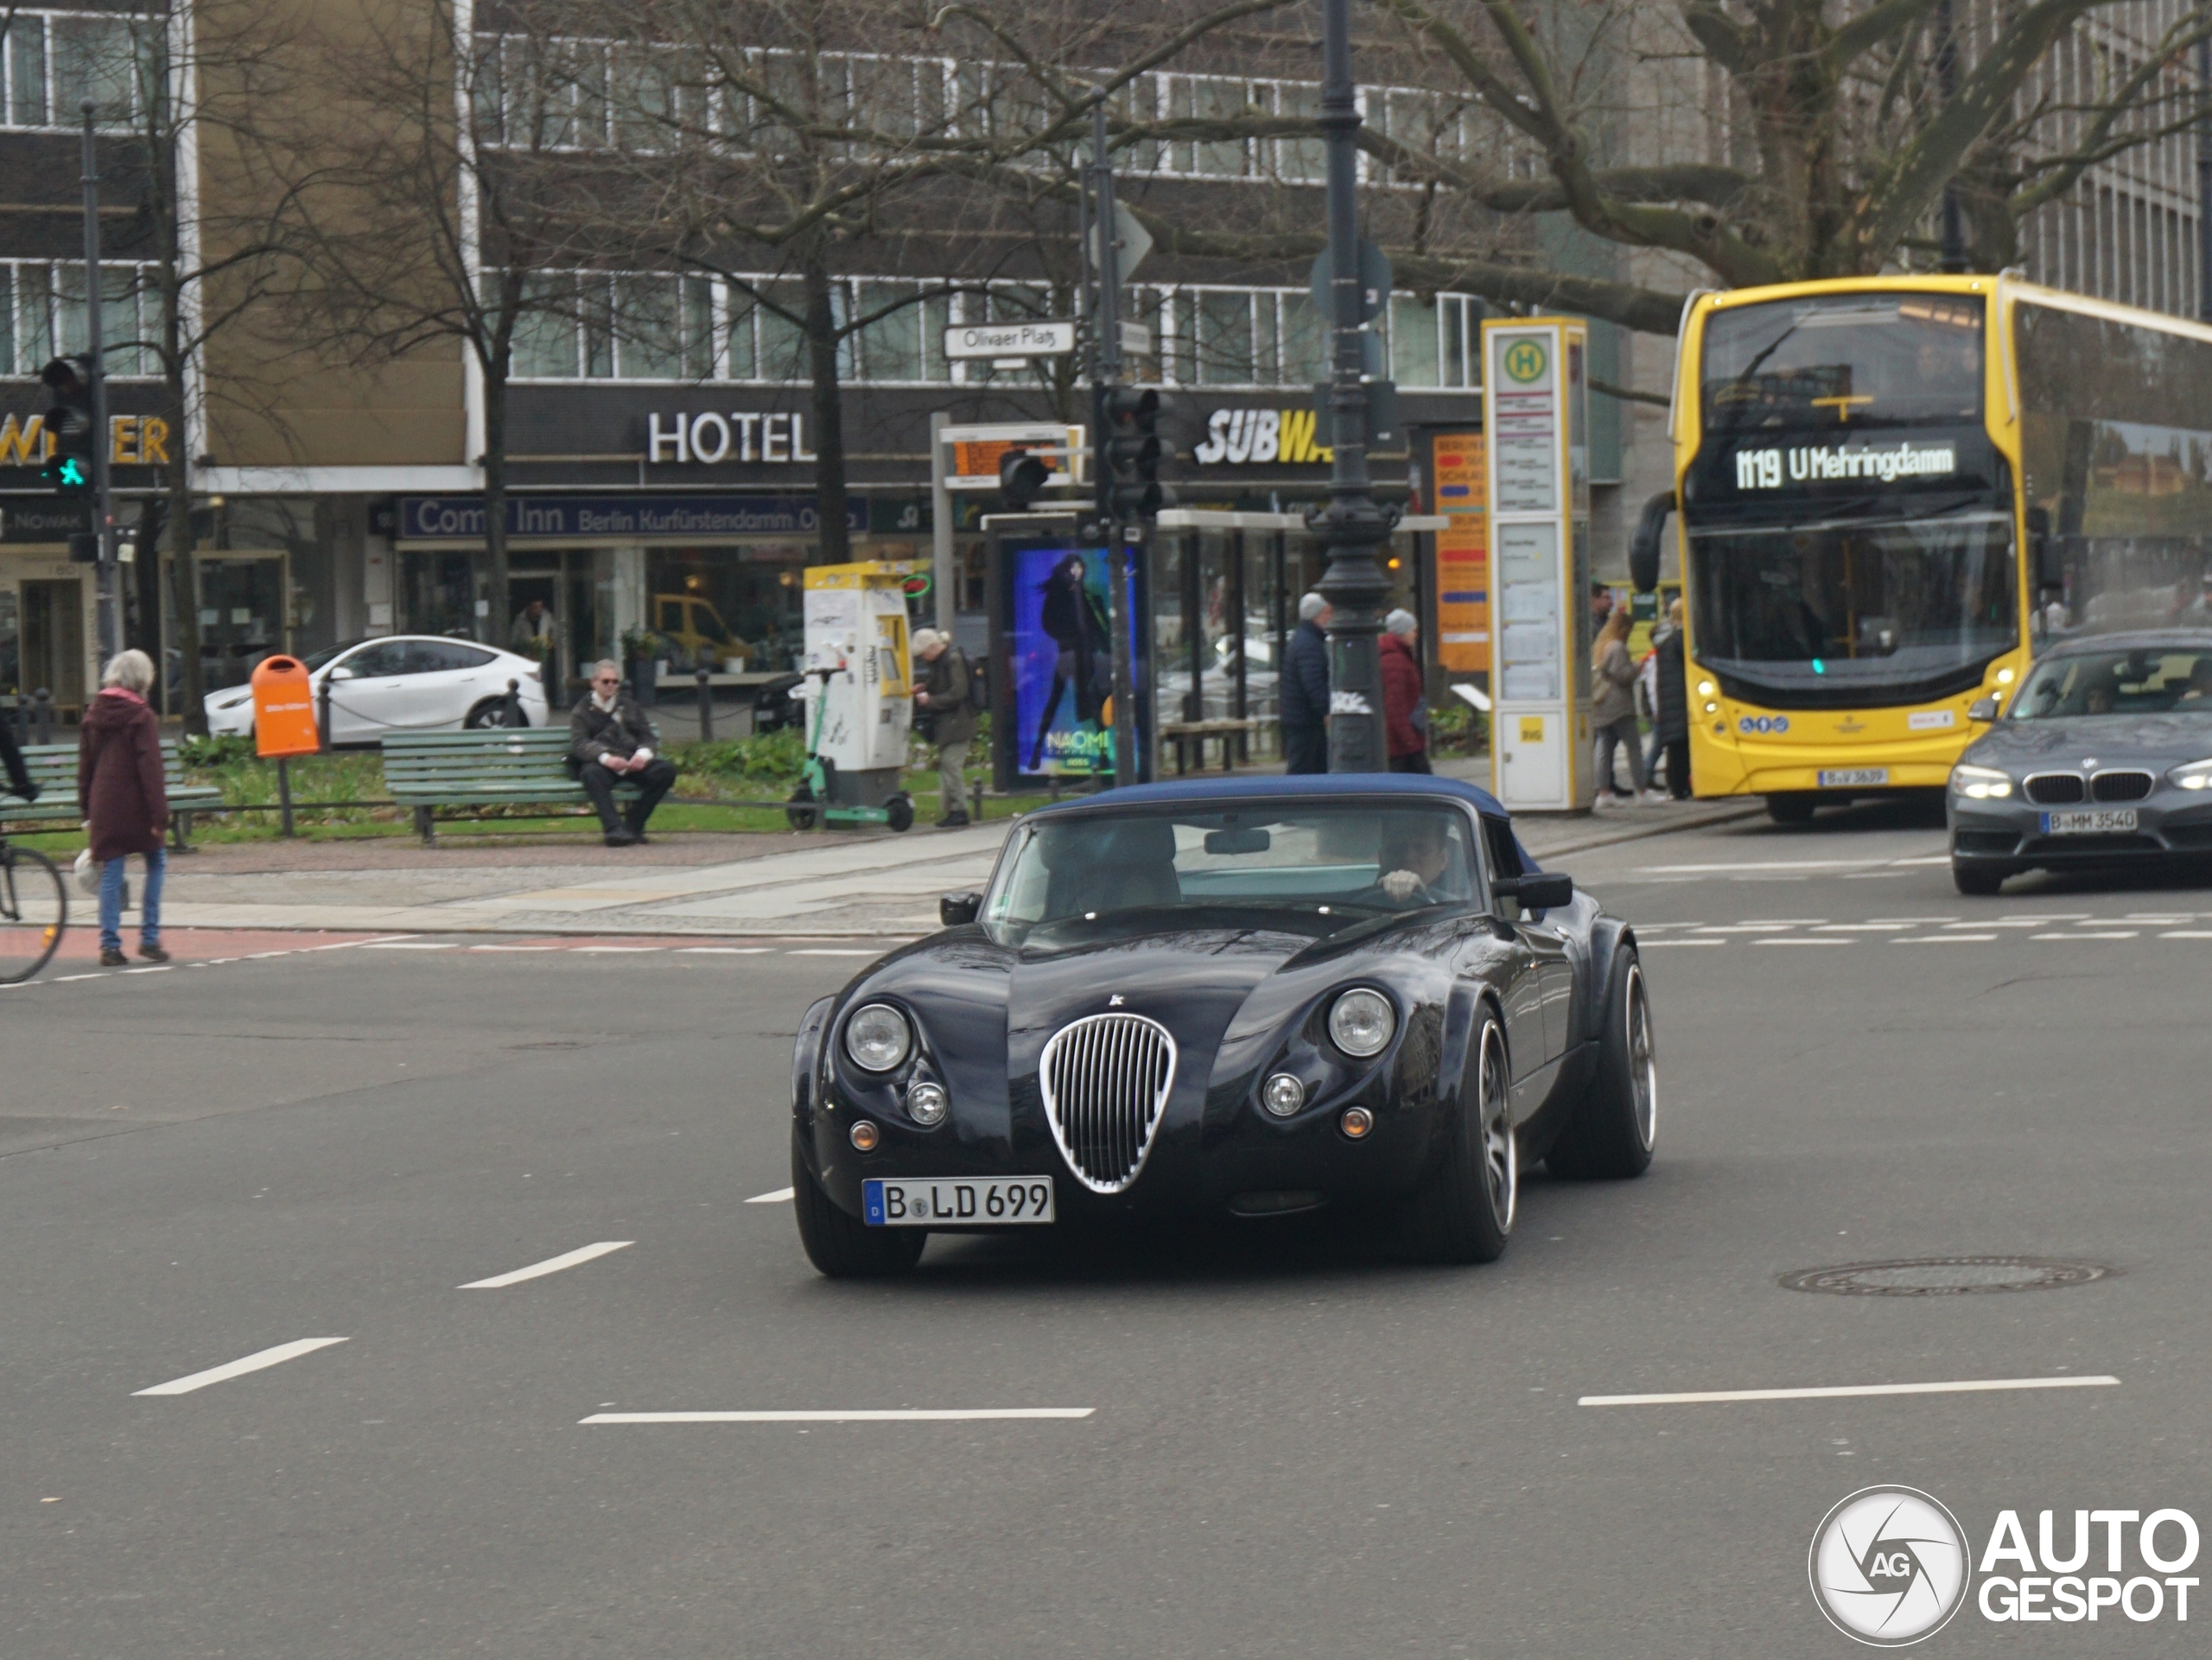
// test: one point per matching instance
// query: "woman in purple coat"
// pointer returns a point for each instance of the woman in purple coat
(125, 804)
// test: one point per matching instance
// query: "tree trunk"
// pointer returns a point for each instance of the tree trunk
(176, 492)
(836, 542)
(490, 628)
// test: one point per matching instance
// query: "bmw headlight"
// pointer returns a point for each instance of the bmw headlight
(1360, 1022)
(2197, 775)
(1986, 782)
(878, 1037)
(232, 702)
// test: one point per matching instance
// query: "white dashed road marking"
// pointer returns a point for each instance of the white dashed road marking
(275, 1356)
(902, 1415)
(780, 1196)
(1968, 1386)
(551, 1265)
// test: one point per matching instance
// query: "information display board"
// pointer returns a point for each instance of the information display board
(1536, 420)
(1463, 629)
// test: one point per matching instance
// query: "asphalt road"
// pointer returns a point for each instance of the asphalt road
(1296, 1446)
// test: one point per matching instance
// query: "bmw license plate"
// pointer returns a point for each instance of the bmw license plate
(1854, 778)
(2103, 821)
(888, 1204)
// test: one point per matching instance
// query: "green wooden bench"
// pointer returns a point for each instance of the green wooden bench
(53, 767)
(493, 766)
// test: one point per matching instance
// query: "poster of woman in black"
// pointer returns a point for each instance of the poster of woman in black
(1075, 618)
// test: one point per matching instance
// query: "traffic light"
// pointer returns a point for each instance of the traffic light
(1125, 431)
(1022, 477)
(69, 425)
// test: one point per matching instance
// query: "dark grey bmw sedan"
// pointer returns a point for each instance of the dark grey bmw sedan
(2104, 757)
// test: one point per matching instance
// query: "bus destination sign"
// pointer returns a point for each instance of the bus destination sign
(1767, 470)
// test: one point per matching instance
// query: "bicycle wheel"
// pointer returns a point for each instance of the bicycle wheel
(34, 912)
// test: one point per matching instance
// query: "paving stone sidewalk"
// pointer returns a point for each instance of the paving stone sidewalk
(818, 885)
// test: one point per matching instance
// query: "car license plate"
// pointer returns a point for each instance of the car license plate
(1854, 778)
(888, 1204)
(2104, 821)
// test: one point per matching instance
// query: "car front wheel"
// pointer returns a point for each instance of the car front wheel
(1976, 879)
(842, 1247)
(1613, 1132)
(1463, 1213)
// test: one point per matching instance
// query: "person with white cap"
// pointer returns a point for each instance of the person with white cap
(942, 700)
(1405, 711)
(1304, 691)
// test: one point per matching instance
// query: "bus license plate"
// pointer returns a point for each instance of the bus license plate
(2105, 821)
(1005, 1201)
(1854, 778)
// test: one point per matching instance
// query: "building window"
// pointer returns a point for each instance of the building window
(57, 59)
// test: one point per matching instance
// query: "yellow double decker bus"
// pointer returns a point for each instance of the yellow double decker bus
(1888, 491)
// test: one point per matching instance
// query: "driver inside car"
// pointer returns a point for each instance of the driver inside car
(1414, 864)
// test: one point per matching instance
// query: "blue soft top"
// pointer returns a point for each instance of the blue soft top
(1314, 787)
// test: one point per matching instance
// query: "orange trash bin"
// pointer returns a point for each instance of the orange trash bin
(283, 710)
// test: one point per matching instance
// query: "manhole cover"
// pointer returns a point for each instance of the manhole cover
(1945, 1276)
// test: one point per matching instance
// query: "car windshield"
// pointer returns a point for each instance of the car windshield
(2155, 680)
(1847, 607)
(1312, 868)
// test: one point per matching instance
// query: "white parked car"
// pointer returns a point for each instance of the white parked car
(401, 683)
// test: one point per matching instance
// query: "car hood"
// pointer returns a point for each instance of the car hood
(2154, 740)
(1225, 994)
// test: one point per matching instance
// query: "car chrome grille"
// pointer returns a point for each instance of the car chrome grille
(1105, 1081)
(2054, 789)
(2120, 785)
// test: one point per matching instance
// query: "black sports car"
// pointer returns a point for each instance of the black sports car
(1254, 997)
(2103, 757)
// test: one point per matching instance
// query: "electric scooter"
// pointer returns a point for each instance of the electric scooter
(809, 803)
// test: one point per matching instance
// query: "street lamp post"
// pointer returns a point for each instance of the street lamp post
(108, 620)
(1352, 526)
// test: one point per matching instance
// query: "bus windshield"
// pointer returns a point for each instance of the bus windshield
(1838, 608)
(1844, 360)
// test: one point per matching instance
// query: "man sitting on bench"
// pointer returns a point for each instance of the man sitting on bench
(610, 738)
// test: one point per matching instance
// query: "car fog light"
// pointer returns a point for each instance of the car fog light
(865, 1135)
(925, 1102)
(1356, 1121)
(1362, 1023)
(1713, 708)
(1282, 1095)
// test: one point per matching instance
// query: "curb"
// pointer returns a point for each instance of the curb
(1644, 832)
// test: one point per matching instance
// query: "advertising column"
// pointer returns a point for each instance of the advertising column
(1540, 685)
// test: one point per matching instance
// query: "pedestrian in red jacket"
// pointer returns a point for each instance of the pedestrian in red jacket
(1405, 711)
(126, 803)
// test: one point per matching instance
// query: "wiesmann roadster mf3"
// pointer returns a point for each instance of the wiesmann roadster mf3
(1250, 998)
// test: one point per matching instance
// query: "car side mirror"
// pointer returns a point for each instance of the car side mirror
(342, 672)
(1982, 708)
(956, 910)
(1540, 890)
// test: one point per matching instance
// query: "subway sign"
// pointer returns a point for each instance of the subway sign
(1260, 438)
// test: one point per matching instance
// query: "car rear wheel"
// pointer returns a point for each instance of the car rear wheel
(1463, 1211)
(1796, 809)
(492, 711)
(1976, 880)
(844, 1247)
(1613, 1131)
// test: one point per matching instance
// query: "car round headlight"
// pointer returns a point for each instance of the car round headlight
(925, 1103)
(1282, 1095)
(878, 1037)
(1360, 1022)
